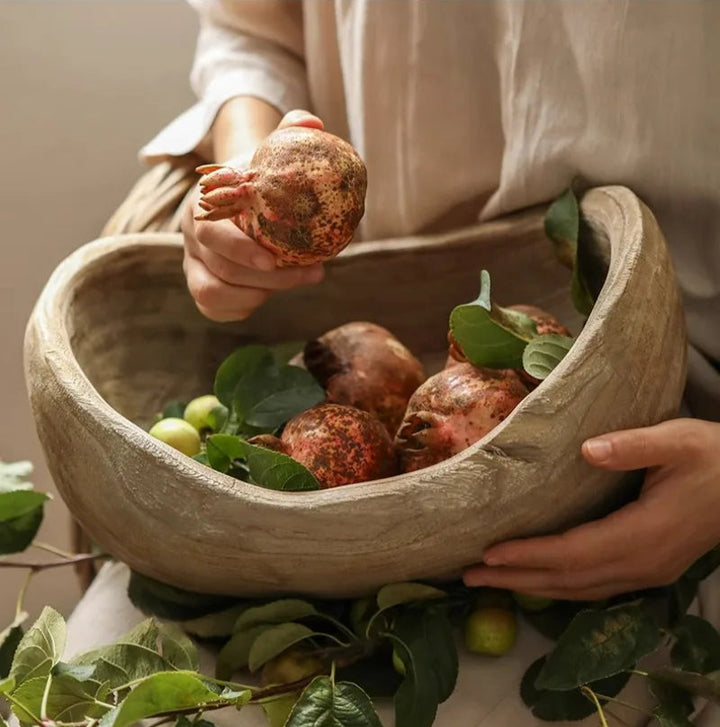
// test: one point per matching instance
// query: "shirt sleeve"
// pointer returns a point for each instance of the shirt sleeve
(249, 48)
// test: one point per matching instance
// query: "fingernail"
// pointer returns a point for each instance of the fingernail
(263, 262)
(598, 449)
(492, 559)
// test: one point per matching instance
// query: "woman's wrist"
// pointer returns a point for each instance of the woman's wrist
(241, 124)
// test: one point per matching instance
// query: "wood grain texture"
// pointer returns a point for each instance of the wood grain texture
(115, 334)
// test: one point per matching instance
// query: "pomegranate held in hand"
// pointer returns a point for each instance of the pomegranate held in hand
(454, 409)
(363, 365)
(340, 445)
(302, 197)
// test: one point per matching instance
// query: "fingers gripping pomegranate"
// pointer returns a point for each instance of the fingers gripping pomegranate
(454, 409)
(302, 197)
(338, 444)
(363, 365)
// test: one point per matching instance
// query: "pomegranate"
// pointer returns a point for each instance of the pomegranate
(363, 365)
(302, 197)
(340, 445)
(453, 409)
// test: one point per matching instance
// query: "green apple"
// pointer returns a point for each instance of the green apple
(491, 631)
(528, 602)
(178, 434)
(197, 412)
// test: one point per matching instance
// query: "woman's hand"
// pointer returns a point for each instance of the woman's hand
(228, 274)
(647, 543)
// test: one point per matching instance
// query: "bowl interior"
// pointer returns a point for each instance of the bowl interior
(137, 336)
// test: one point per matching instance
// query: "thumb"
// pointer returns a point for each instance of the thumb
(299, 117)
(632, 449)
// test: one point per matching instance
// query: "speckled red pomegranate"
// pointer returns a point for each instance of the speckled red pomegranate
(340, 445)
(454, 409)
(302, 197)
(363, 365)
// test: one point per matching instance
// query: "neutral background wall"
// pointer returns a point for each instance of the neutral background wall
(83, 84)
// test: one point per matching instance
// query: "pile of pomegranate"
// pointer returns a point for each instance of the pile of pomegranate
(302, 198)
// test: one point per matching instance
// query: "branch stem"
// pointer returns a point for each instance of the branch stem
(82, 558)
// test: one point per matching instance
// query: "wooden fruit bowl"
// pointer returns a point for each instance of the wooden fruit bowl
(115, 334)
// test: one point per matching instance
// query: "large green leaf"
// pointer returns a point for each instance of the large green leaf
(562, 225)
(276, 639)
(276, 612)
(68, 700)
(273, 395)
(568, 705)
(21, 508)
(395, 594)
(177, 648)
(489, 335)
(154, 598)
(236, 652)
(40, 648)
(327, 704)
(134, 656)
(239, 364)
(267, 468)
(544, 353)
(162, 693)
(214, 625)
(697, 647)
(598, 644)
(10, 639)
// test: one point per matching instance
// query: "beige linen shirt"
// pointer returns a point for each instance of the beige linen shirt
(467, 109)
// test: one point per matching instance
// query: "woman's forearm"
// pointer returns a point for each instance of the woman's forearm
(241, 124)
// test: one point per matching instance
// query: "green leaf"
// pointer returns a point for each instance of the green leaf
(324, 704)
(10, 638)
(40, 648)
(68, 700)
(273, 641)
(243, 362)
(571, 238)
(489, 335)
(134, 656)
(78, 672)
(174, 409)
(598, 644)
(551, 622)
(267, 468)
(702, 685)
(396, 593)
(271, 396)
(20, 502)
(3, 723)
(697, 647)
(13, 476)
(674, 705)
(215, 625)
(428, 638)
(570, 705)
(562, 225)
(544, 353)
(276, 612)
(7, 685)
(236, 652)
(154, 598)
(177, 648)
(218, 418)
(160, 693)
(17, 534)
